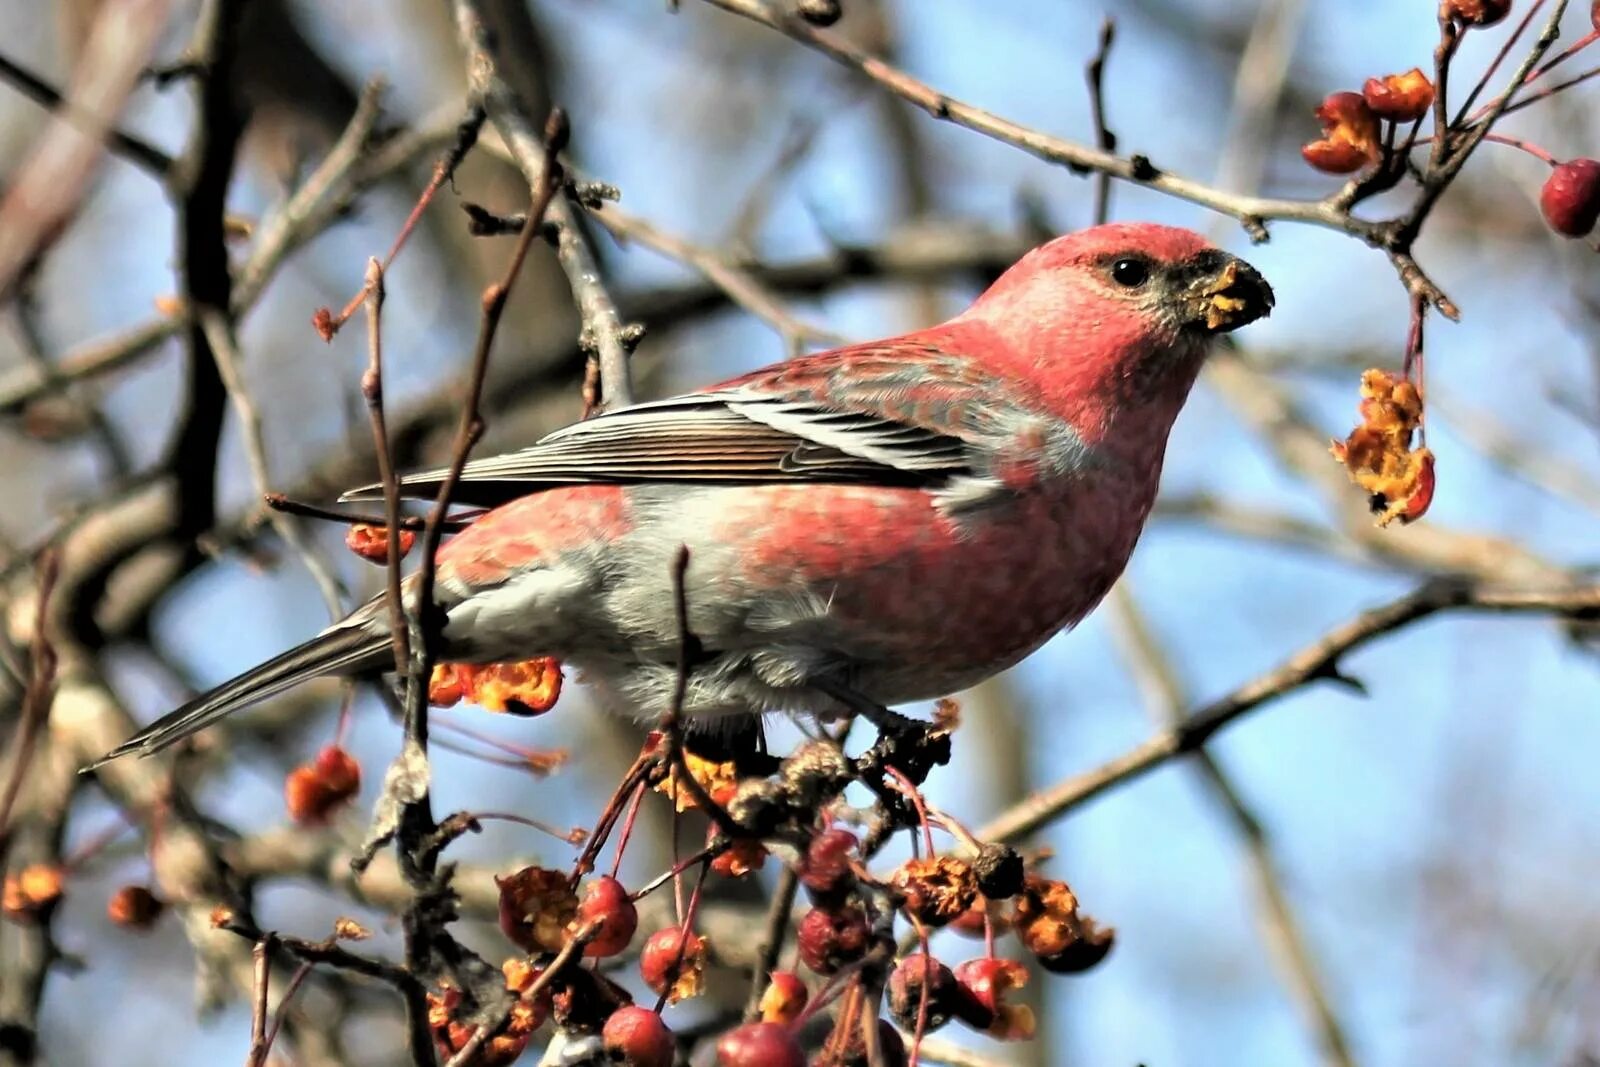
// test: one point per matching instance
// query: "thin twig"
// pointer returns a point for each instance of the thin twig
(372, 394)
(601, 324)
(742, 288)
(262, 954)
(672, 721)
(406, 790)
(136, 150)
(1394, 236)
(279, 502)
(1104, 139)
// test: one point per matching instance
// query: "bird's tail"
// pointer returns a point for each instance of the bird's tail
(342, 651)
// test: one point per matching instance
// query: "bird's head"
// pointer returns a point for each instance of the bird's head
(1128, 307)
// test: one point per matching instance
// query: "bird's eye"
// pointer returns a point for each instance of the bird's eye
(1130, 272)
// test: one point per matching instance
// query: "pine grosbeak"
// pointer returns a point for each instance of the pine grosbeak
(891, 521)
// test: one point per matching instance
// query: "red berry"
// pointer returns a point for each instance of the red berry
(1349, 135)
(826, 866)
(637, 1037)
(1399, 97)
(944, 994)
(313, 790)
(1571, 197)
(605, 898)
(986, 981)
(1083, 953)
(785, 998)
(760, 1045)
(134, 907)
(673, 962)
(829, 938)
(1475, 12)
(371, 543)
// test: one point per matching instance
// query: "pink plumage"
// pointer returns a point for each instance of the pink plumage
(898, 520)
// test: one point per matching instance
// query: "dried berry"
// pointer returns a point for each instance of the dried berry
(1570, 199)
(674, 962)
(582, 999)
(134, 907)
(720, 780)
(1047, 916)
(987, 980)
(1379, 455)
(1399, 97)
(347, 929)
(936, 890)
(944, 994)
(1349, 135)
(831, 938)
(1089, 949)
(636, 1037)
(314, 790)
(1475, 12)
(1000, 871)
(526, 688)
(825, 868)
(740, 858)
(537, 905)
(606, 899)
(760, 1045)
(32, 891)
(451, 1033)
(784, 999)
(371, 543)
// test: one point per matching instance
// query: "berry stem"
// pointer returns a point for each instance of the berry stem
(1567, 53)
(1550, 90)
(1500, 57)
(575, 836)
(347, 702)
(1516, 142)
(627, 828)
(94, 845)
(911, 792)
(927, 986)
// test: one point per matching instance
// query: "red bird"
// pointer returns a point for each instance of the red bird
(878, 523)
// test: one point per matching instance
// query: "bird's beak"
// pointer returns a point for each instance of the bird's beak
(1224, 293)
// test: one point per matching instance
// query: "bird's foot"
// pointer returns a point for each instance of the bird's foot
(911, 746)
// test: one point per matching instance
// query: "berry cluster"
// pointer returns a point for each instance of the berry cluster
(848, 962)
(1361, 131)
(1371, 136)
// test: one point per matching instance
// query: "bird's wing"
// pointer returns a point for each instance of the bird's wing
(888, 415)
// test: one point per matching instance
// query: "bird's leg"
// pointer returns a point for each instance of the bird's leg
(910, 746)
(887, 720)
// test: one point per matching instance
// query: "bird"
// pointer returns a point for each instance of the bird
(866, 526)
